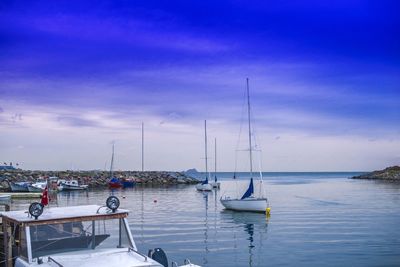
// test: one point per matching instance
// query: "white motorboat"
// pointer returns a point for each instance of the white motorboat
(85, 236)
(248, 201)
(71, 185)
(205, 185)
(37, 187)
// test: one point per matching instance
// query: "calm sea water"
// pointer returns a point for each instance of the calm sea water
(317, 219)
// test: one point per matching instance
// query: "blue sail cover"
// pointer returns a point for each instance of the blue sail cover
(249, 191)
(205, 181)
(215, 178)
(114, 180)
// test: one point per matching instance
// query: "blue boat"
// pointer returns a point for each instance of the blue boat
(114, 183)
(19, 187)
(126, 182)
(121, 182)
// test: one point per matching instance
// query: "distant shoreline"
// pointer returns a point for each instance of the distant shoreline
(388, 174)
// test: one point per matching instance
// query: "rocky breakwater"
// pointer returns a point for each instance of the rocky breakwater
(96, 179)
(388, 174)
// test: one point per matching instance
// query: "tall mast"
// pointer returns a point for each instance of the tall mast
(205, 150)
(112, 161)
(215, 159)
(142, 146)
(248, 116)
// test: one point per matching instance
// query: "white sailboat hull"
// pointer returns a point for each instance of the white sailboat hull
(204, 187)
(248, 204)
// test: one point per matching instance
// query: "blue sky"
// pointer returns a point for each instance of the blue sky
(77, 75)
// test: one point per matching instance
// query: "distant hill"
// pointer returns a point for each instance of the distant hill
(388, 174)
(192, 173)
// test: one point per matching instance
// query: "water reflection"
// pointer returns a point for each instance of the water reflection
(255, 227)
(206, 228)
(316, 222)
(69, 198)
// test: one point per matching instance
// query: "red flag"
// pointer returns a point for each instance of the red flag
(45, 197)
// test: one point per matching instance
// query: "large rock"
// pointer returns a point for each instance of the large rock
(388, 174)
(95, 178)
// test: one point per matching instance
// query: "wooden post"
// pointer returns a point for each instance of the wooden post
(93, 235)
(4, 252)
(7, 244)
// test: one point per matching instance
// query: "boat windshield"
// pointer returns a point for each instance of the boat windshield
(76, 236)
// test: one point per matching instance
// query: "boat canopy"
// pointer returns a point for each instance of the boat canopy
(59, 214)
(249, 191)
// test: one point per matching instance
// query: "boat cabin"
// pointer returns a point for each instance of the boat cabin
(70, 236)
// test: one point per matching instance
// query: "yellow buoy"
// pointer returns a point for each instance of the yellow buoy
(268, 211)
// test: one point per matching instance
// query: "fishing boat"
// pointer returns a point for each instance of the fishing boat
(248, 201)
(205, 185)
(19, 187)
(215, 184)
(72, 185)
(85, 236)
(37, 187)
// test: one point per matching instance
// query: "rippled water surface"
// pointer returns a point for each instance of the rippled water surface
(316, 220)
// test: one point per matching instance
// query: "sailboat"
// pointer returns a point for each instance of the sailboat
(205, 185)
(248, 201)
(115, 182)
(215, 184)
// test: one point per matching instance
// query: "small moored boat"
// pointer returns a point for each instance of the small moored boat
(248, 201)
(37, 187)
(71, 185)
(205, 185)
(128, 182)
(19, 187)
(114, 183)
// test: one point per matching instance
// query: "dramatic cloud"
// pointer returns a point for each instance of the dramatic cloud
(75, 75)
